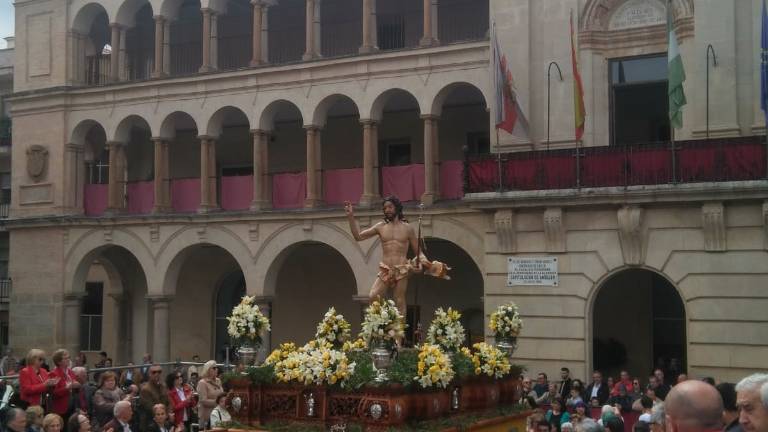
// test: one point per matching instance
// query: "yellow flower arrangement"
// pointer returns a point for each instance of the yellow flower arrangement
(446, 330)
(506, 321)
(281, 353)
(356, 345)
(333, 328)
(488, 360)
(383, 322)
(315, 363)
(434, 367)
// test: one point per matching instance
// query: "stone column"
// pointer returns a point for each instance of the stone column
(208, 199)
(122, 65)
(72, 307)
(370, 173)
(214, 41)
(167, 47)
(260, 169)
(265, 306)
(369, 27)
(74, 177)
(313, 167)
(119, 332)
(162, 182)
(114, 58)
(430, 174)
(206, 66)
(157, 72)
(309, 24)
(116, 188)
(257, 21)
(161, 341)
(428, 38)
(265, 34)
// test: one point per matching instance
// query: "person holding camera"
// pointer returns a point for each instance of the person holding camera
(34, 380)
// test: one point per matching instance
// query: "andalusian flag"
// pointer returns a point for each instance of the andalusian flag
(509, 110)
(676, 76)
(579, 113)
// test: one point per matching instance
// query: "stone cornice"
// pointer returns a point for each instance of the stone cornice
(266, 77)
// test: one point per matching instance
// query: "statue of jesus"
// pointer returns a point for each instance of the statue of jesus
(396, 235)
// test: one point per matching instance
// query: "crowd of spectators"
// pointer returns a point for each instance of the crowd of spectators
(37, 398)
(653, 405)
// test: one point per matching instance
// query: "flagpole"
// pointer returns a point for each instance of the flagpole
(498, 159)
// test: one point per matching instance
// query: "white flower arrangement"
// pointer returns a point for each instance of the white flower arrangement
(315, 363)
(506, 321)
(489, 360)
(434, 367)
(383, 322)
(246, 323)
(446, 330)
(333, 328)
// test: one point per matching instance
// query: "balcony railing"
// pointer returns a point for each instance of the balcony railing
(687, 162)
(97, 69)
(5, 290)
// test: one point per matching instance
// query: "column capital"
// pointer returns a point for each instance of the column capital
(314, 128)
(368, 122)
(159, 139)
(74, 147)
(433, 117)
(258, 3)
(260, 132)
(159, 299)
(160, 18)
(74, 297)
(207, 137)
(207, 10)
(116, 144)
(115, 26)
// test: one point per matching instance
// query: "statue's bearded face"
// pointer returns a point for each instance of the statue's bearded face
(389, 211)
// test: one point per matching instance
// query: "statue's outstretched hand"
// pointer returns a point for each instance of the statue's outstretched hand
(348, 209)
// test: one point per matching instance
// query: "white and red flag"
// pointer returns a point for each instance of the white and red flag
(509, 111)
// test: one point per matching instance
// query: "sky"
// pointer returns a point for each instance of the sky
(6, 20)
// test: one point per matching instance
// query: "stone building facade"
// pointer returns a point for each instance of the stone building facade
(170, 155)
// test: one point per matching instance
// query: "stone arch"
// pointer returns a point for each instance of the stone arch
(377, 107)
(216, 122)
(79, 133)
(93, 243)
(270, 113)
(438, 101)
(122, 132)
(83, 18)
(276, 248)
(604, 281)
(597, 13)
(459, 234)
(126, 14)
(320, 115)
(168, 126)
(178, 247)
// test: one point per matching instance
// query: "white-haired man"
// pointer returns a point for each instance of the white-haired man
(752, 401)
(121, 423)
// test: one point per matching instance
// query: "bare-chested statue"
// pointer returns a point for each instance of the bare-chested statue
(396, 236)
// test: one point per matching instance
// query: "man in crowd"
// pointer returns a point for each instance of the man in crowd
(730, 411)
(83, 396)
(656, 382)
(752, 400)
(693, 406)
(152, 392)
(16, 420)
(625, 379)
(9, 363)
(146, 361)
(565, 384)
(121, 423)
(541, 386)
(597, 391)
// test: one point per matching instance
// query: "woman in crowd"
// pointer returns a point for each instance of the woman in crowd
(35, 418)
(130, 376)
(220, 414)
(62, 392)
(182, 400)
(78, 423)
(52, 423)
(81, 359)
(160, 421)
(34, 381)
(575, 396)
(579, 413)
(105, 398)
(556, 416)
(208, 389)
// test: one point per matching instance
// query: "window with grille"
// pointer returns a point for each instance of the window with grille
(91, 317)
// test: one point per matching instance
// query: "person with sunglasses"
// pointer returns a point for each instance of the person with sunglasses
(34, 381)
(152, 392)
(182, 400)
(208, 389)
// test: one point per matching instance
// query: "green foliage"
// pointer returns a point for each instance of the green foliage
(232, 425)
(364, 372)
(226, 377)
(462, 366)
(405, 367)
(264, 374)
(515, 370)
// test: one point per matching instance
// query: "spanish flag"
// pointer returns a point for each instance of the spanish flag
(579, 112)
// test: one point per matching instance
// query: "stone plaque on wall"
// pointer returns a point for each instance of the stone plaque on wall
(38, 44)
(638, 13)
(41, 193)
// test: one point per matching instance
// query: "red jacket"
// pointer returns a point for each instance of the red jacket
(32, 385)
(179, 406)
(61, 394)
